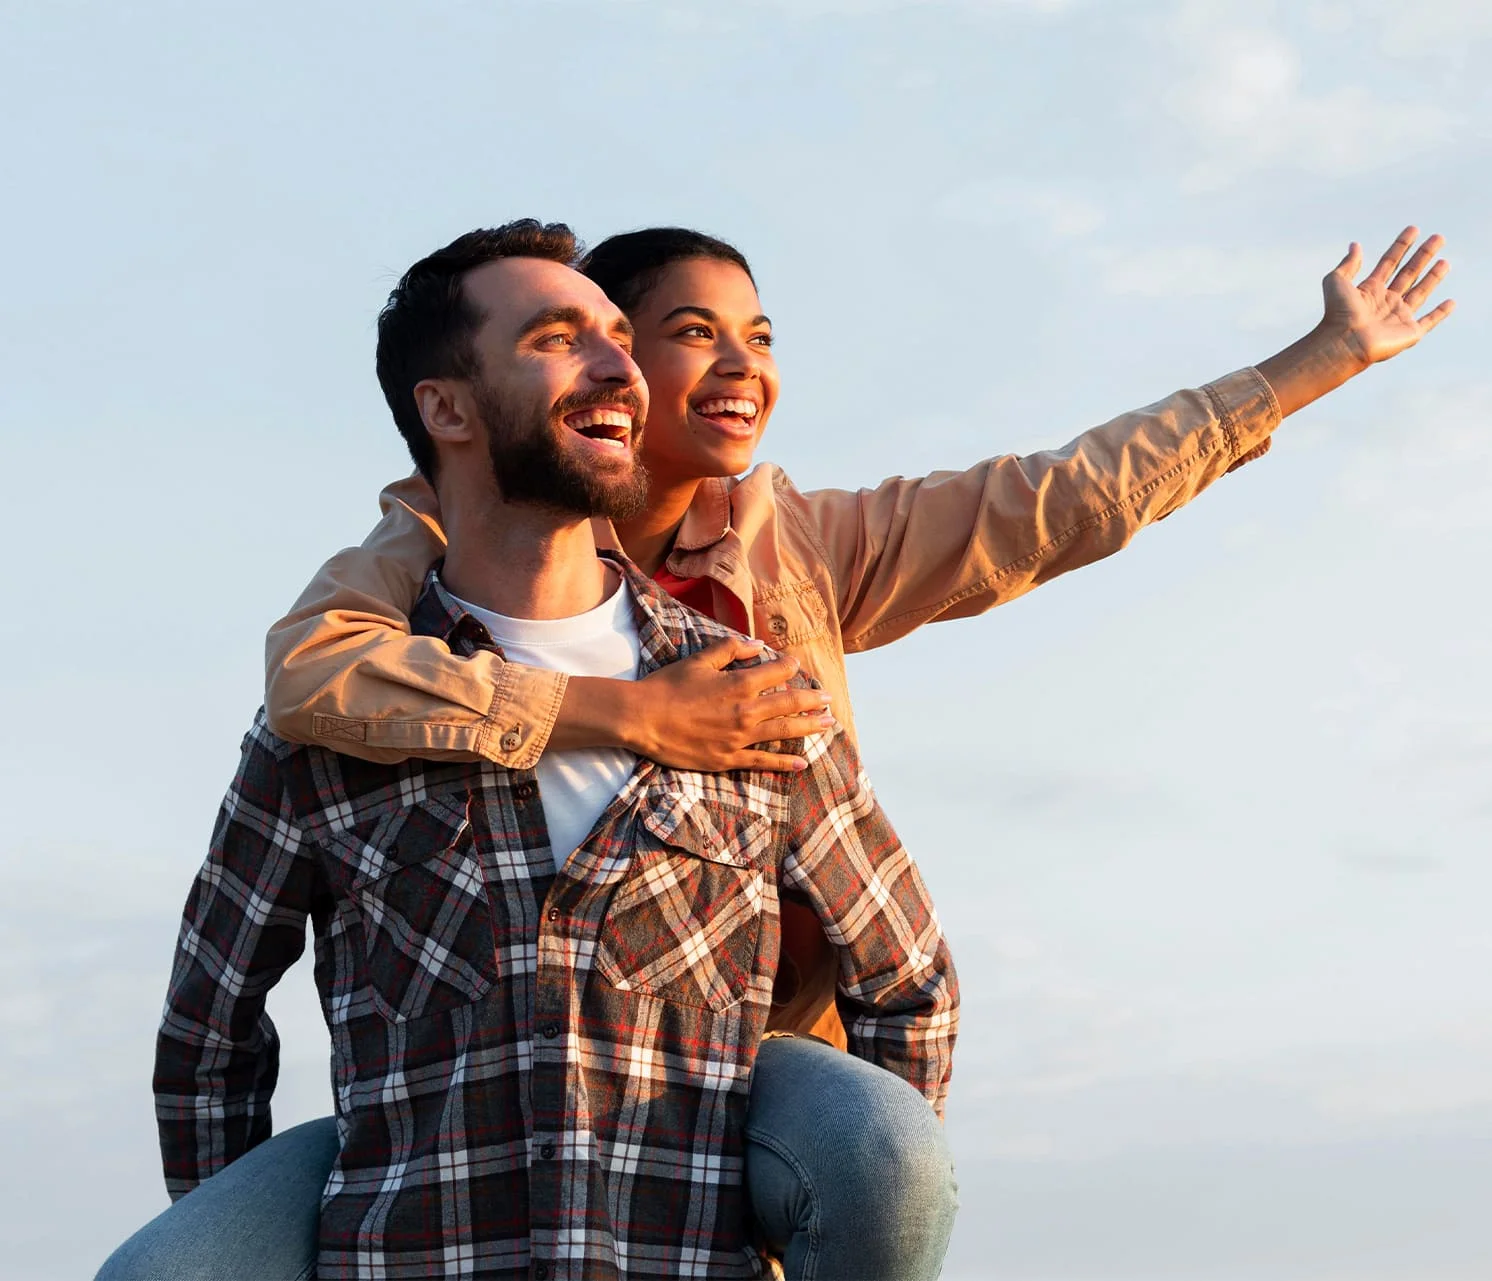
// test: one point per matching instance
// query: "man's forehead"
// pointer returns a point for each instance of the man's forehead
(510, 290)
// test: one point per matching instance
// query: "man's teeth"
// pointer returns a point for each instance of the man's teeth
(709, 408)
(618, 420)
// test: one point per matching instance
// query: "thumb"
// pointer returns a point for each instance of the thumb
(1349, 265)
(733, 649)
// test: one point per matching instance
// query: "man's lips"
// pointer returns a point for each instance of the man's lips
(733, 416)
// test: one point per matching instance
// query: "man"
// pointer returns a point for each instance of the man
(545, 1001)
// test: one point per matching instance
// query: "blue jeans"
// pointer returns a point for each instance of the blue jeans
(847, 1168)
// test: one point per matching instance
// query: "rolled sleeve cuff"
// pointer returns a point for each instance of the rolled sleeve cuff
(1246, 407)
(516, 741)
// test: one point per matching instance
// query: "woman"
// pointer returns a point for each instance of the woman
(838, 1155)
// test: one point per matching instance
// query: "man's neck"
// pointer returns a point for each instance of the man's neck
(524, 561)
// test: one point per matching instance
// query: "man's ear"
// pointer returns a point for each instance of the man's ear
(446, 408)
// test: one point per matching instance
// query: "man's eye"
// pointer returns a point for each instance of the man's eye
(556, 340)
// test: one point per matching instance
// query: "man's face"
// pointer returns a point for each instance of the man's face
(560, 398)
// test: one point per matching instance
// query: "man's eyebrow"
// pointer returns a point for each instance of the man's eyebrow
(557, 315)
(704, 313)
(621, 325)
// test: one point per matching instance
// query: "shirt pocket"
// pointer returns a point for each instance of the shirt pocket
(789, 613)
(422, 916)
(685, 924)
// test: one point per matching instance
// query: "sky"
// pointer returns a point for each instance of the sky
(1207, 823)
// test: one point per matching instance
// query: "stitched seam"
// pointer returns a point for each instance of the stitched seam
(772, 1145)
(1082, 527)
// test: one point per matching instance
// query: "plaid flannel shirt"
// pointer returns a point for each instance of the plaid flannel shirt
(536, 1073)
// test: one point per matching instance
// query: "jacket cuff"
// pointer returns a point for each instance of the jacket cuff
(1248, 411)
(525, 706)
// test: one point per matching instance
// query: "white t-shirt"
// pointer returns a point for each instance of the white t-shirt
(575, 787)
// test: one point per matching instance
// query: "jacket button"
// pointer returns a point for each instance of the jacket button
(777, 625)
(511, 741)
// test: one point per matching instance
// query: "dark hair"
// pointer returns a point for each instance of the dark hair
(425, 329)
(628, 266)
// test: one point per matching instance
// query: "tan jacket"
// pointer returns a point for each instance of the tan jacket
(820, 574)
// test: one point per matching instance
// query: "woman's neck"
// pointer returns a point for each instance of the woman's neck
(647, 539)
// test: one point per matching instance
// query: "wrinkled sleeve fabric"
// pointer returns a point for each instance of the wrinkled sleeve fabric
(897, 991)
(217, 1052)
(342, 669)
(954, 544)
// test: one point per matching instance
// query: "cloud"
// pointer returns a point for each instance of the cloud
(1277, 285)
(1022, 204)
(1245, 100)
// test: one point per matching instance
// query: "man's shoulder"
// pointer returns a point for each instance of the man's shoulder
(324, 792)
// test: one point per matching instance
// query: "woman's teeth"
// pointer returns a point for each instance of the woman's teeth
(714, 408)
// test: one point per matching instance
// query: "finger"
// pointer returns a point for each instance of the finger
(1428, 321)
(1427, 285)
(790, 727)
(752, 681)
(1350, 264)
(771, 762)
(733, 649)
(788, 702)
(1393, 256)
(1410, 271)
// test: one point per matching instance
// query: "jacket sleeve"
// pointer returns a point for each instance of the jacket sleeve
(217, 1053)
(954, 544)
(897, 990)
(342, 669)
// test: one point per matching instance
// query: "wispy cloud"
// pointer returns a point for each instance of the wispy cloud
(1018, 203)
(1247, 97)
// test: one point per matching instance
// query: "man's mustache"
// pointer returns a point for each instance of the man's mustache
(624, 398)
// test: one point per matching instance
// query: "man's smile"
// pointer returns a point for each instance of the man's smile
(609, 428)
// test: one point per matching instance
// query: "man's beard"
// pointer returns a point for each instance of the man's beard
(530, 466)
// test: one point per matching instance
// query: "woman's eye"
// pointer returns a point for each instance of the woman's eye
(762, 340)
(695, 331)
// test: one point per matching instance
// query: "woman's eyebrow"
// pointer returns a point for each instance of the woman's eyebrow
(704, 313)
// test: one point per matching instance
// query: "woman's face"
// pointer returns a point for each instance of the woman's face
(706, 351)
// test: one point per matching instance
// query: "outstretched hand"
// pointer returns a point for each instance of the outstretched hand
(1377, 318)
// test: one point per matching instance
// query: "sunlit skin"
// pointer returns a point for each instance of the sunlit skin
(547, 333)
(704, 344)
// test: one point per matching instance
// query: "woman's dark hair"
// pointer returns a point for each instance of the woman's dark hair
(629, 265)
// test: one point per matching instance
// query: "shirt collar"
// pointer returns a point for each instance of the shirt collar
(663, 624)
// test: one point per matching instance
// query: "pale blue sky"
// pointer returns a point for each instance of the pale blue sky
(1208, 824)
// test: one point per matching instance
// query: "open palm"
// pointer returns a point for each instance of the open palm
(1377, 317)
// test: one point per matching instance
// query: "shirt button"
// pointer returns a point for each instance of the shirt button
(551, 1030)
(777, 625)
(523, 791)
(511, 741)
(547, 1151)
(541, 1270)
(552, 913)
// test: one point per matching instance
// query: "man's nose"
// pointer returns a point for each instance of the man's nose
(614, 364)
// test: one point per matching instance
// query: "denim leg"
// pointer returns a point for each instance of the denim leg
(847, 1167)
(256, 1220)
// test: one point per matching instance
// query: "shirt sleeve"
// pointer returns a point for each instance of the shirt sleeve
(217, 1052)
(954, 544)
(342, 669)
(897, 992)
